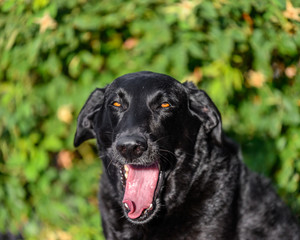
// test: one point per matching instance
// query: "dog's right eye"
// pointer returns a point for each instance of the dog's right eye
(116, 104)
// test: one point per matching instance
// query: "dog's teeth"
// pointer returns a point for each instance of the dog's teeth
(126, 168)
(126, 206)
(148, 209)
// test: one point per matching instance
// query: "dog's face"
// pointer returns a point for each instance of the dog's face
(141, 121)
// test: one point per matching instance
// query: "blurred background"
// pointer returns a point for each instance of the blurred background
(53, 53)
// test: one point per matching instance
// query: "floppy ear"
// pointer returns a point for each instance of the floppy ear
(85, 128)
(203, 107)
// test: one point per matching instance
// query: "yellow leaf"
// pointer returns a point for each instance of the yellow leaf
(291, 71)
(46, 22)
(196, 76)
(255, 79)
(64, 114)
(291, 12)
(64, 159)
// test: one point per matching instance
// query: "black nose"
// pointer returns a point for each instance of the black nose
(131, 147)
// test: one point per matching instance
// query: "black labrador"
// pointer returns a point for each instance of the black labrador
(170, 172)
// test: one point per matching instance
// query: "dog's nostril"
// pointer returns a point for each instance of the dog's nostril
(138, 150)
(131, 148)
(122, 149)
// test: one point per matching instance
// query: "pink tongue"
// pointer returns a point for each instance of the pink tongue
(140, 188)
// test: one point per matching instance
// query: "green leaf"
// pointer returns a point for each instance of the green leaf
(286, 44)
(87, 22)
(51, 143)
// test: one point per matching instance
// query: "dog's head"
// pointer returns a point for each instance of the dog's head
(141, 121)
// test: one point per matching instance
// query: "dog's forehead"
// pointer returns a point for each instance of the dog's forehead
(146, 82)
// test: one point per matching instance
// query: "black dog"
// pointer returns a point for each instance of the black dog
(170, 172)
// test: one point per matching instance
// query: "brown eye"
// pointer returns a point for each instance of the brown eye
(117, 104)
(165, 105)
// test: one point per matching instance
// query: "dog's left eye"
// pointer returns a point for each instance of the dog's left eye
(165, 105)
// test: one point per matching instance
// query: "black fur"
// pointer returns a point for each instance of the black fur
(204, 192)
(10, 236)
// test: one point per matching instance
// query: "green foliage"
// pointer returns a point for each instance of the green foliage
(54, 53)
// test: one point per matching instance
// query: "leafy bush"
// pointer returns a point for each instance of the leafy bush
(53, 54)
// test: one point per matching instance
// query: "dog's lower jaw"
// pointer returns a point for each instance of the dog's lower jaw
(145, 213)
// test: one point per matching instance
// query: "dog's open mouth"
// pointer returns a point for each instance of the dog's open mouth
(141, 187)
